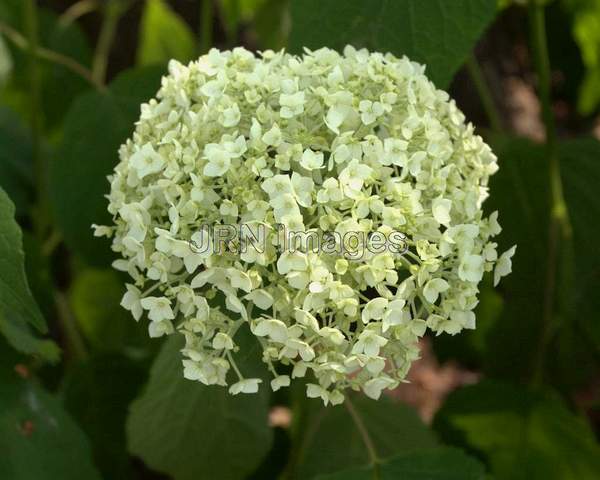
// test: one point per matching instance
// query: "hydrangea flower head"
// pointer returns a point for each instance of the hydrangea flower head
(358, 152)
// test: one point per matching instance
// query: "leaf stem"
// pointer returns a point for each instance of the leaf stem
(539, 46)
(35, 120)
(51, 243)
(485, 95)
(234, 365)
(364, 433)
(76, 345)
(77, 10)
(44, 54)
(559, 225)
(112, 12)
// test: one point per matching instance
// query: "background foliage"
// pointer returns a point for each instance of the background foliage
(85, 394)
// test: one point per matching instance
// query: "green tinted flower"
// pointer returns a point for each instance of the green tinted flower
(349, 149)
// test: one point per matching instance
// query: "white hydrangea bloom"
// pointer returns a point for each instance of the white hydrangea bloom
(353, 143)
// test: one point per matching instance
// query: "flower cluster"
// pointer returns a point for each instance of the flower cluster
(326, 142)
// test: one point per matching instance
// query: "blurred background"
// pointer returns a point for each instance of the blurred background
(520, 394)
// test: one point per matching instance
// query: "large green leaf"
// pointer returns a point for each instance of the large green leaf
(437, 33)
(20, 336)
(522, 434)
(580, 164)
(164, 35)
(442, 463)
(96, 125)
(18, 309)
(328, 439)
(38, 439)
(194, 432)
(519, 191)
(509, 344)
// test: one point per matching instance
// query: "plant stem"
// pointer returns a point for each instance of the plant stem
(78, 10)
(487, 100)
(35, 120)
(113, 11)
(31, 27)
(234, 365)
(51, 243)
(559, 225)
(44, 54)
(206, 26)
(539, 46)
(364, 433)
(75, 342)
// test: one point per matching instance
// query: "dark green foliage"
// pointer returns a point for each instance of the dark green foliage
(19, 313)
(117, 405)
(435, 464)
(96, 125)
(195, 432)
(521, 433)
(39, 439)
(438, 33)
(97, 394)
(327, 437)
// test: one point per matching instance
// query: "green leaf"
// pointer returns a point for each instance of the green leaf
(97, 393)
(436, 464)
(95, 299)
(275, 463)
(522, 434)
(96, 125)
(272, 24)
(18, 309)
(519, 191)
(586, 31)
(10, 12)
(437, 33)
(194, 432)
(16, 168)
(589, 93)
(581, 176)
(59, 85)
(164, 35)
(328, 437)
(38, 439)
(39, 275)
(20, 336)
(235, 12)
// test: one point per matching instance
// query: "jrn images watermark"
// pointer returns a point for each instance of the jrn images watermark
(353, 245)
